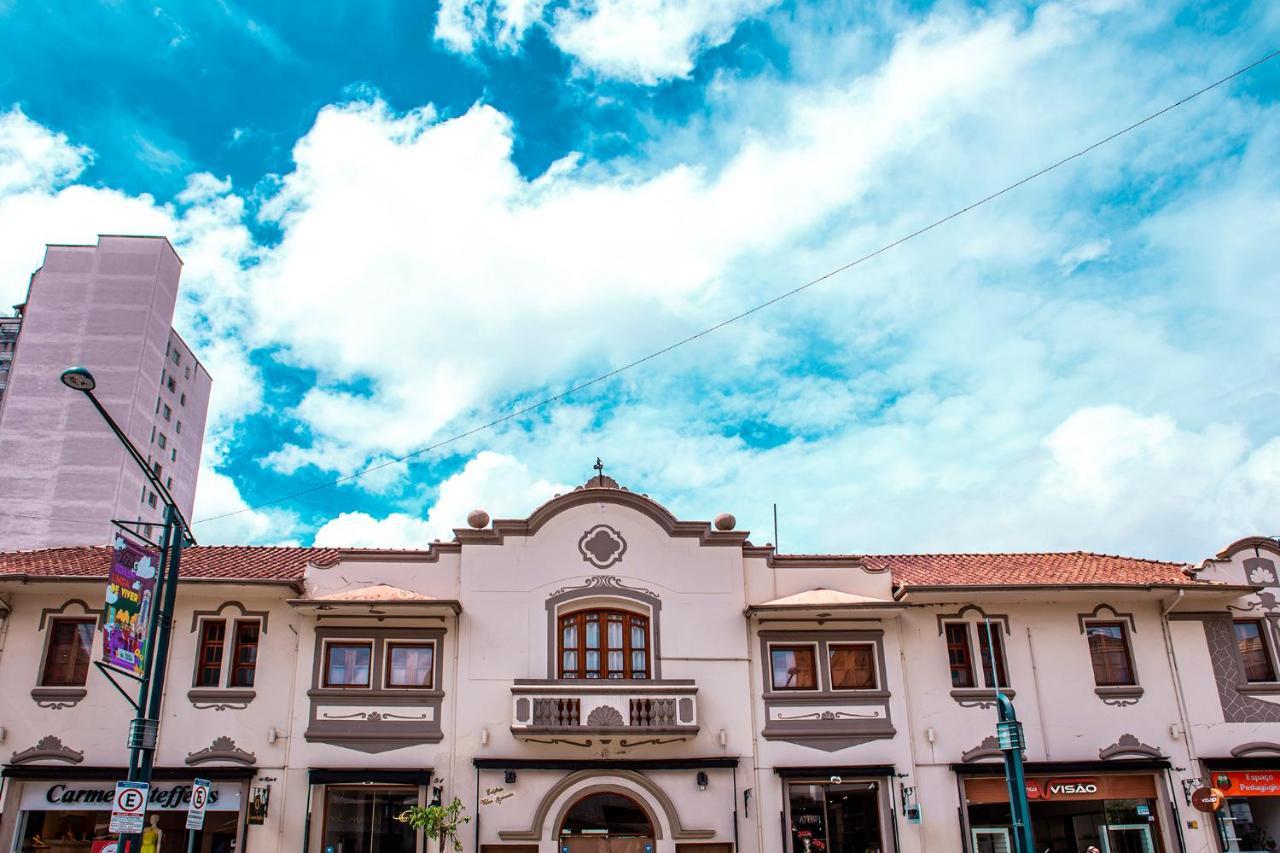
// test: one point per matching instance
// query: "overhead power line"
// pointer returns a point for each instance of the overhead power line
(533, 407)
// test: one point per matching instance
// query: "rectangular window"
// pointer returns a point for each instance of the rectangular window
(161, 439)
(347, 664)
(244, 655)
(177, 358)
(213, 637)
(173, 455)
(182, 399)
(178, 428)
(853, 667)
(794, 667)
(188, 374)
(1000, 677)
(171, 385)
(1254, 654)
(151, 500)
(168, 483)
(1109, 652)
(66, 664)
(959, 655)
(410, 665)
(168, 412)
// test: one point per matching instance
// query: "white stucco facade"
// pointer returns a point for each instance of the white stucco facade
(710, 750)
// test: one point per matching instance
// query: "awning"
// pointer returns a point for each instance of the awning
(376, 600)
(118, 774)
(604, 764)
(1049, 768)
(372, 777)
(850, 770)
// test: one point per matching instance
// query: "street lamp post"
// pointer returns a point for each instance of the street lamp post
(1012, 742)
(145, 727)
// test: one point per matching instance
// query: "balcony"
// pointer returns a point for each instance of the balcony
(604, 707)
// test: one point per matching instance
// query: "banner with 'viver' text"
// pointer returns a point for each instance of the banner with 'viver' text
(131, 589)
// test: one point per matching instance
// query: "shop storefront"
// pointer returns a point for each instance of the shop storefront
(847, 809)
(1248, 820)
(353, 811)
(69, 815)
(1071, 811)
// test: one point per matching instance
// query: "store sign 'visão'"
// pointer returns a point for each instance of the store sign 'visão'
(1062, 789)
(130, 596)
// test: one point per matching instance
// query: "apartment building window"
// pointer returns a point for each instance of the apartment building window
(244, 654)
(794, 667)
(176, 356)
(168, 412)
(853, 666)
(178, 428)
(188, 369)
(157, 405)
(182, 398)
(66, 661)
(347, 664)
(160, 438)
(604, 644)
(410, 665)
(1110, 654)
(212, 653)
(213, 638)
(168, 483)
(1255, 652)
(171, 385)
(959, 636)
(151, 500)
(173, 455)
(157, 468)
(153, 434)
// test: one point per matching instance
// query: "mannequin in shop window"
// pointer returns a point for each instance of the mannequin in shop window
(152, 836)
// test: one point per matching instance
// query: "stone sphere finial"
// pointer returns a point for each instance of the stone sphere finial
(478, 518)
(725, 521)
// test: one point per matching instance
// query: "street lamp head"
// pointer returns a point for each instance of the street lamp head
(79, 379)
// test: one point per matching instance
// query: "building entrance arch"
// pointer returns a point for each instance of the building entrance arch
(606, 822)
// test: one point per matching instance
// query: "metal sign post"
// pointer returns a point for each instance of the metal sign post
(1012, 743)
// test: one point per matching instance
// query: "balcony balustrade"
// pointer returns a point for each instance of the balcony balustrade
(607, 706)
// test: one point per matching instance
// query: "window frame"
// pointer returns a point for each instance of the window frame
(328, 644)
(832, 647)
(605, 673)
(1268, 650)
(42, 677)
(233, 664)
(230, 644)
(947, 628)
(1091, 624)
(201, 629)
(785, 645)
(387, 647)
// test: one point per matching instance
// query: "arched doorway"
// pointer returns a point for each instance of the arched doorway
(606, 822)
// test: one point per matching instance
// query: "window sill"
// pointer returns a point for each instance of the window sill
(58, 697)
(1120, 695)
(984, 695)
(803, 697)
(1250, 688)
(220, 698)
(374, 693)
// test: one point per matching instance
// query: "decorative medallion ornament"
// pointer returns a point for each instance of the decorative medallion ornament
(602, 546)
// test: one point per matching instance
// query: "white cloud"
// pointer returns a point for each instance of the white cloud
(639, 41)
(1087, 252)
(647, 41)
(496, 482)
(32, 157)
(216, 494)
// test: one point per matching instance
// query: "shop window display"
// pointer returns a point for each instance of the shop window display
(74, 831)
(362, 820)
(835, 818)
(1114, 826)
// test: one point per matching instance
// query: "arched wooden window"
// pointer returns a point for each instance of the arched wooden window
(604, 644)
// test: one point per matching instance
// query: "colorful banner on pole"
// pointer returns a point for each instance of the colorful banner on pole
(130, 597)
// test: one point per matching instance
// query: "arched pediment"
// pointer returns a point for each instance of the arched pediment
(595, 493)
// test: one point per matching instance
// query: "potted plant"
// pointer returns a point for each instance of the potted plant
(437, 822)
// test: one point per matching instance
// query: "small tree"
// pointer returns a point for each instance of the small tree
(437, 822)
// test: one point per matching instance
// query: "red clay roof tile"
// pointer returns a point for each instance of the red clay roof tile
(229, 562)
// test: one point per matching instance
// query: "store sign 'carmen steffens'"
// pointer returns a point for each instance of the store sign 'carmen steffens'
(99, 796)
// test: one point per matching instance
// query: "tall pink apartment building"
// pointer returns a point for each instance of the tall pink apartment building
(63, 475)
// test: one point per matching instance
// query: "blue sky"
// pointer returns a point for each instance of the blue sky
(400, 219)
